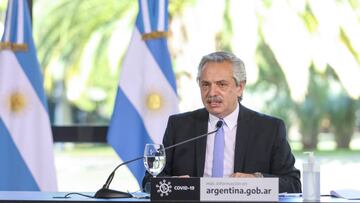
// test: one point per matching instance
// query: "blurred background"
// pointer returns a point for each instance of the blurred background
(302, 59)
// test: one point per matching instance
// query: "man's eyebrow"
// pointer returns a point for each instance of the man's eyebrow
(221, 81)
(215, 81)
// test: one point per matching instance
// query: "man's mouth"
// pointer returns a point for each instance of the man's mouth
(214, 102)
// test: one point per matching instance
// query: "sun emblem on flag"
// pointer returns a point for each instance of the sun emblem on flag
(154, 101)
(17, 102)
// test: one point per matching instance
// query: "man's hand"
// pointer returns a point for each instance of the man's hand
(242, 175)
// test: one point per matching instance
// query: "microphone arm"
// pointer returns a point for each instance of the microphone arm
(106, 193)
(218, 126)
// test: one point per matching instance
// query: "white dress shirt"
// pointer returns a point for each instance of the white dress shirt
(230, 127)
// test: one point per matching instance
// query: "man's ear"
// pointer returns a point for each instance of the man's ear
(241, 88)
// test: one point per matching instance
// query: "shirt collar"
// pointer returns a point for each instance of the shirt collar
(230, 120)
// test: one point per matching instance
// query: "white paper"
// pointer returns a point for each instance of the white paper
(349, 194)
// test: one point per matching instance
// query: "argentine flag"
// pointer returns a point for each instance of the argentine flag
(147, 91)
(26, 146)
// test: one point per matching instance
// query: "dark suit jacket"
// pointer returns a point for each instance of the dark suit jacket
(261, 146)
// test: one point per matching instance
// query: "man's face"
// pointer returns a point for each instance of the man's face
(219, 92)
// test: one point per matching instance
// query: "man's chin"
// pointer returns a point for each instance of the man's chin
(214, 111)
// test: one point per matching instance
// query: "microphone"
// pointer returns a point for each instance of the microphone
(107, 193)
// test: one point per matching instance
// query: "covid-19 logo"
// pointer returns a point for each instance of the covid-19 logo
(164, 188)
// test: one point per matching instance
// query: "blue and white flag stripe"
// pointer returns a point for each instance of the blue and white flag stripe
(26, 153)
(149, 21)
(14, 165)
(18, 31)
(147, 79)
(147, 89)
(153, 16)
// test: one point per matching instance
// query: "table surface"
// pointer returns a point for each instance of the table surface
(32, 196)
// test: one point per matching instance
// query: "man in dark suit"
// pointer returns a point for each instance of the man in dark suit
(252, 144)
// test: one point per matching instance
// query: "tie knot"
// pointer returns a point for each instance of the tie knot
(223, 123)
(220, 123)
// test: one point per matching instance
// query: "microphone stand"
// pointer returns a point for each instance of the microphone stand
(106, 193)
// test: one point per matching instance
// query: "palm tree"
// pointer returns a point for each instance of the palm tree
(80, 44)
(305, 42)
(342, 113)
(272, 86)
(293, 41)
(311, 112)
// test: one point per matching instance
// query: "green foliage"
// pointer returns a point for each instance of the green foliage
(342, 113)
(2, 12)
(355, 4)
(313, 109)
(75, 36)
(272, 85)
(270, 71)
(267, 3)
(178, 6)
(69, 36)
(224, 37)
(309, 19)
(311, 112)
(345, 39)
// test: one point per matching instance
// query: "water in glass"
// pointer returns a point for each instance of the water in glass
(154, 158)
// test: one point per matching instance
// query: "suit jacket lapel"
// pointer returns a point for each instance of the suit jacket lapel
(242, 135)
(200, 129)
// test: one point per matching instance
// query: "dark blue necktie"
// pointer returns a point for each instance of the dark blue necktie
(218, 153)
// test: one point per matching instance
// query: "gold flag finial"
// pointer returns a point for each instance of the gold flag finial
(154, 35)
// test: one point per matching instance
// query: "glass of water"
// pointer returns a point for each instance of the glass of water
(154, 158)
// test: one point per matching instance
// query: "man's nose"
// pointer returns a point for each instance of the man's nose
(213, 90)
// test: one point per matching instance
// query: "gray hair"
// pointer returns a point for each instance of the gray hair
(238, 67)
